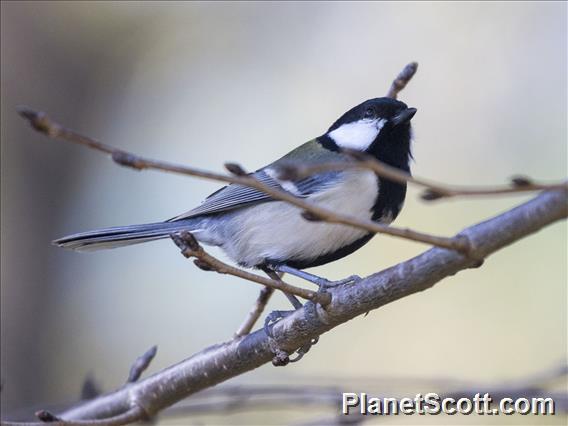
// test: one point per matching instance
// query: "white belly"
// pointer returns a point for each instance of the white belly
(277, 231)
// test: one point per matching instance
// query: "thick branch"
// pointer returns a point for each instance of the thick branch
(222, 362)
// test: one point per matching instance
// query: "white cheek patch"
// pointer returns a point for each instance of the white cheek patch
(358, 135)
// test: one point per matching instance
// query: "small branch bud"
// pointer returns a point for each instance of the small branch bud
(90, 389)
(287, 171)
(141, 364)
(520, 181)
(235, 169)
(204, 266)
(281, 358)
(47, 417)
(311, 217)
(39, 121)
(128, 160)
(431, 195)
(402, 79)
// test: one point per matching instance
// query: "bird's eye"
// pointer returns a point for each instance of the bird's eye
(369, 113)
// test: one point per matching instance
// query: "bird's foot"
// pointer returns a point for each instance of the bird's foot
(321, 282)
(272, 318)
(304, 350)
(324, 283)
(282, 358)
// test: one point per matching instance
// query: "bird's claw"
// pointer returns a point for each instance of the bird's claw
(272, 318)
(352, 279)
(304, 350)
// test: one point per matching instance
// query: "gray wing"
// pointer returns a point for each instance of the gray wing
(235, 196)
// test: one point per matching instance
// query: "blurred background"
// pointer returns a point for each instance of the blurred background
(205, 83)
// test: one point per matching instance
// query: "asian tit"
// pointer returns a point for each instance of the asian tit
(257, 231)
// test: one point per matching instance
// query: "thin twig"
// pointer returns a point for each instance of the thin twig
(41, 122)
(254, 314)
(402, 79)
(191, 248)
(434, 190)
(141, 364)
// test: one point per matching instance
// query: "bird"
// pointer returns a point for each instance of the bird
(257, 231)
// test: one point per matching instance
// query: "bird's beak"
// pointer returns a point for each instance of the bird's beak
(404, 116)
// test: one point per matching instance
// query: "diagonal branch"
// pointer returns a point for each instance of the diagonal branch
(255, 312)
(224, 361)
(190, 248)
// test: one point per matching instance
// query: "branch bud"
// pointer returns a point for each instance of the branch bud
(431, 195)
(235, 169)
(311, 217)
(520, 181)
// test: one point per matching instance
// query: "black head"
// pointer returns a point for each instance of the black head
(380, 127)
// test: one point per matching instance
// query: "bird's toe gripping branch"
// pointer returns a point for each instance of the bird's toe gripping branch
(281, 357)
(272, 318)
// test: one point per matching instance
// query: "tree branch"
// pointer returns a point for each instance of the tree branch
(224, 361)
(227, 399)
(42, 123)
(434, 190)
(254, 314)
(190, 248)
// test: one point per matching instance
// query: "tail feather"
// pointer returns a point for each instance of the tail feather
(122, 235)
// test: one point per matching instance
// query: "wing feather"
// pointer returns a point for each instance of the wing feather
(235, 196)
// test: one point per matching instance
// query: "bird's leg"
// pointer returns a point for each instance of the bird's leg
(322, 283)
(275, 316)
